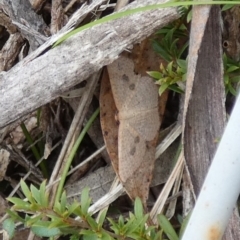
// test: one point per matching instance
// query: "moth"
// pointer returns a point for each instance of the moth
(136, 99)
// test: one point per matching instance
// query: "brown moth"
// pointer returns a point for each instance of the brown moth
(136, 99)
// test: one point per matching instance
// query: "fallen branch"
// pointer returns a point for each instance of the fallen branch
(33, 83)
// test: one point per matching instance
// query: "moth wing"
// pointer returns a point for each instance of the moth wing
(122, 78)
(145, 95)
(136, 161)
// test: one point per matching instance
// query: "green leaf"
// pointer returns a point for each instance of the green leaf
(184, 224)
(88, 235)
(163, 88)
(173, 47)
(102, 218)
(121, 221)
(57, 223)
(19, 204)
(170, 68)
(26, 190)
(181, 51)
(72, 207)
(138, 208)
(182, 64)
(134, 224)
(43, 194)
(163, 30)
(160, 232)
(45, 231)
(85, 201)
(57, 208)
(156, 236)
(154, 74)
(169, 36)
(167, 227)
(78, 211)
(74, 237)
(31, 221)
(9, 227)
(189, 17)
(235, 79)
(175, 88)
(227, 6)
(35, 193)
(232, 90)
(63, 201)
(106, 236)
(115, 227)
(161, 51)
(226, 79)
(14, 216)
(232, 69)
(92, 223)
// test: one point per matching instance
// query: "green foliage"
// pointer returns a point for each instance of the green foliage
(167, 227)
(35, 150)
(172, 75)
(231, 75)
(168, 47)
(45, 221)
(9, 227)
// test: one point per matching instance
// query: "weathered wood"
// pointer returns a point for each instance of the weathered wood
(31, 25)
(57, 14)
(206, 116)
(30, 84)
(10, 51)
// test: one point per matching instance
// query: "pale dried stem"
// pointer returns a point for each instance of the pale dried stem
(73, 133)
(35, 82)
(10, 51)
(57, 14)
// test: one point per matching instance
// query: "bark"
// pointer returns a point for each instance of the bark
(206, 117)
(57, 14)
(35, 82)
(31, 25)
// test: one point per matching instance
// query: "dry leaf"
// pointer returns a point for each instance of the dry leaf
(108, 123)
(17, 134)
(136, 98)
(4, 161)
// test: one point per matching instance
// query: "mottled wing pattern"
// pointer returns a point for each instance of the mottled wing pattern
(136, 99)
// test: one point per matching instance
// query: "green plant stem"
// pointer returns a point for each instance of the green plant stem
(141, 9)
(34, 149)
(72, 154)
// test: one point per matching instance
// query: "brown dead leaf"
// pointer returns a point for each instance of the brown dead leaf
(136, 98)
(17, 135)
(108, 123)
(145, 59)
(4, 161)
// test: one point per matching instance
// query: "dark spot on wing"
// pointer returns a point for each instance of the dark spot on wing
(148, 144)
(105, 133)
(132, 86)
(132, 151)
(125, 78)
(136, 139)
